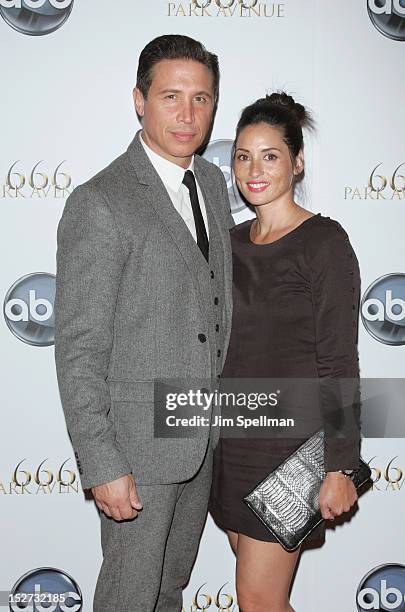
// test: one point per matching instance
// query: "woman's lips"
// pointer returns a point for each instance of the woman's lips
(257, 186)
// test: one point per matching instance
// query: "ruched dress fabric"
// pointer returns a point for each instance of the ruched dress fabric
(295, 315)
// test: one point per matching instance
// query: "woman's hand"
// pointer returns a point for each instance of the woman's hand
(337, 495)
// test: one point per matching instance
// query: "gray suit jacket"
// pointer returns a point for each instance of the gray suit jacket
(135, 300)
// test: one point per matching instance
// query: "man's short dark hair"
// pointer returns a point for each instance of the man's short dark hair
(174, 46)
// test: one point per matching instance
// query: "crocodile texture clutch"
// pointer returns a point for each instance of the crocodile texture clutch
(287, 500)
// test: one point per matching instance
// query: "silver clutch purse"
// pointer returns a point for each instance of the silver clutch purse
(287, 500)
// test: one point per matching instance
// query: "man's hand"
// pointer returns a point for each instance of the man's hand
(337, 495)
(118, 499)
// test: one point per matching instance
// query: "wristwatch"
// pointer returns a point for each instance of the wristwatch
(348, 473)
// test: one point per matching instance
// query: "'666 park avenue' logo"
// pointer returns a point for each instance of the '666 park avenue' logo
(382, 184)
(39, 181)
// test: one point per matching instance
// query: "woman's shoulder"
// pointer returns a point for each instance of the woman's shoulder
(327, 244)
(320, 233)
(325, 234)
(326, 227)
(241, 230)
(239, 227)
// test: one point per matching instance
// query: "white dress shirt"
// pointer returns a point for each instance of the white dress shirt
(172, 176)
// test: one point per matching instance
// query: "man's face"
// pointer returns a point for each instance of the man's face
(177, 113)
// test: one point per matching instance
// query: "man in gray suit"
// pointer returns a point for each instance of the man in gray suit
(143, 292)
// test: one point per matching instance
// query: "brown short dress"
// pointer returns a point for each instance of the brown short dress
(295, 315)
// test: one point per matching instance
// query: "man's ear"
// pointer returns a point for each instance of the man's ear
(299, 163)
(139, 101)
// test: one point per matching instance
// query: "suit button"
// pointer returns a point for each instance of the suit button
(217, 327)
(219, 353)
(202, 337)
(216, 301)
(212, 274)
(76, 455)
(218, 376)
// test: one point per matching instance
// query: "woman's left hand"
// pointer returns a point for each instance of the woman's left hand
(337, 495)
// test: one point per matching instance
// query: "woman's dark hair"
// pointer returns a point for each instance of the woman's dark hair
(279, 110)
(174, 46)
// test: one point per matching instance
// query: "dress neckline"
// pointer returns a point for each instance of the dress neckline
(264, 244)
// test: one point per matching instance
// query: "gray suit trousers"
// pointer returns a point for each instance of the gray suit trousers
(148, 560)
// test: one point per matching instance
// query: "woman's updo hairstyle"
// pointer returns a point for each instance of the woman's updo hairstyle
(279, 110)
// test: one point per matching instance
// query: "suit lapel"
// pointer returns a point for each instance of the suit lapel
(209, 199)
(219, 238)
(159, 200)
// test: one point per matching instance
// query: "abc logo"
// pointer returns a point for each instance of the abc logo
(388, 16)
(383, 588)
(50, 590)
(28, 309)
(219, 152)
(383, 309)
(35, 17)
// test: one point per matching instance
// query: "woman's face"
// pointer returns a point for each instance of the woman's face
(263, 168)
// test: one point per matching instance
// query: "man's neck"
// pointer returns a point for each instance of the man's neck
(181, 162)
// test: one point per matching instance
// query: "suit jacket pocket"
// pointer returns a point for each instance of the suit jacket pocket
(131, 390)
(133, 421)
(132, 410)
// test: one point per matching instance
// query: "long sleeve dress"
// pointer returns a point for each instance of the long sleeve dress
(295, 316)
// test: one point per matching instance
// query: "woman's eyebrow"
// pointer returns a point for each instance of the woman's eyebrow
(266, 149)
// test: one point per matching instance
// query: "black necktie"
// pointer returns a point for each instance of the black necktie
(202, 238)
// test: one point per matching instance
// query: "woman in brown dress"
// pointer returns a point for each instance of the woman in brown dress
(296, 292)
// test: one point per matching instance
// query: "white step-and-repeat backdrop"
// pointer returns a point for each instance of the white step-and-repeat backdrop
(67, 72)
